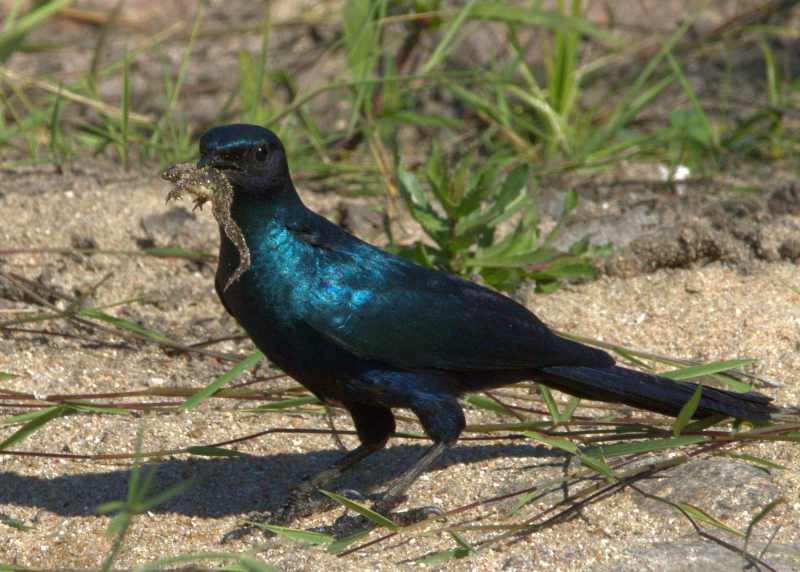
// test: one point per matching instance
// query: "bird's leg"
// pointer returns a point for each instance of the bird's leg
(394, 495)
(443, 420)
(300, 502)
(374, 425)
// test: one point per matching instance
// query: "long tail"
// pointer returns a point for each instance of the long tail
(654, 393)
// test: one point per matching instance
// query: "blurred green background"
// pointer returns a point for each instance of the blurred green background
(457, 113)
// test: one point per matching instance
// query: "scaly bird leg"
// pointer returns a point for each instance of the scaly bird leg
(374, 425)
(301, 501)
(443, 420)
(394, 495)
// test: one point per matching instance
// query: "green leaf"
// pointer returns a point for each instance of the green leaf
(362, 47)
(705, 369)
(512, 197)
(412, 118)
(446, 43)
(418, 204)
(22, 417)
(552, 19)
(521, 241)
(763, 463)
(702, 516)
(11, 37)
(81, 407)
(554, 442)
(422, 254)
(485, 403)
(13, 523)
(547, 396)
(647, 446)
(436, 173)
(762, 514)
(215, 385)
(339, 545)
(687, 412)
(704, 423)
(463, 550)
(297, 535)
(360, 37)
(593, 459)
(570, 202)
(37, 422)
(539, 256)
(570, 408)
(364, 511)
(287, 404)
(567, 268)
(598, 464)
(206, 451)
(124, 324)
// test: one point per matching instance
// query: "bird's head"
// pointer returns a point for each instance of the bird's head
(251, 157)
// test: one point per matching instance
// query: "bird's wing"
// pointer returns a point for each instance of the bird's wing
(382, 307)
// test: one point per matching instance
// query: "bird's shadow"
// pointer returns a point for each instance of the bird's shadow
(233, 485)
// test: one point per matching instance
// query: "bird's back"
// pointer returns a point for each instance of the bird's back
(380, 307)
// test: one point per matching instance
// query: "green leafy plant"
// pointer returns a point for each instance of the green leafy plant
(463, 213)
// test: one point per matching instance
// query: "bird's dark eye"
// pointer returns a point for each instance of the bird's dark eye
(261, 153)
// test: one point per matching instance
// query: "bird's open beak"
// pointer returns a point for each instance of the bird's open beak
(217, 163)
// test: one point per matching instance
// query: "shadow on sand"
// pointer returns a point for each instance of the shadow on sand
(235, 485)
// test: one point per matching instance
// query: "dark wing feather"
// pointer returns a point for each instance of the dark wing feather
(382, 307)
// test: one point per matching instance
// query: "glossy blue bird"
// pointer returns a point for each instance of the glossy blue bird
(371, 331)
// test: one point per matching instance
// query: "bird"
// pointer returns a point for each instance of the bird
(372, 332)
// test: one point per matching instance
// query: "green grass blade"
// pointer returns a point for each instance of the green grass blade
(12, 35)
(364, 511)
(304, 536)
(215, 385)
(648, 445)
(762, 514)
(554, 442)
(758, 461)
(552, 19)
(547, 396)
(123, 324)
(287, 404)
(687, 411)
(205, 451)
(700, 515)
(338, 546)
(446, 44)
(37, 422)
(487, 404)
(705, 369)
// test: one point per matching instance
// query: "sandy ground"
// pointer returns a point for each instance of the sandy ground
(713, 312)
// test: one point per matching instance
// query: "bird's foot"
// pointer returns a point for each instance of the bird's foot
(349, 524)
(302, 502)
(415, 515)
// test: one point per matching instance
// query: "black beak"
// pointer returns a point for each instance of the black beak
(217, 163)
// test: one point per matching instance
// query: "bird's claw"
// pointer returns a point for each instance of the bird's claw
(351, 494)
(349, 524)
(302, 502)
(416, 515)
(244, 530)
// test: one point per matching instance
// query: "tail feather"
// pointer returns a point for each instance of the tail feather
(654, 393)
